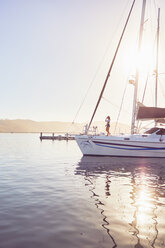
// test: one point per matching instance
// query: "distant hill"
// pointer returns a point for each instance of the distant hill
(29, 126)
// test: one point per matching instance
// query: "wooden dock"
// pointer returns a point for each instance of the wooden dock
(57, 137)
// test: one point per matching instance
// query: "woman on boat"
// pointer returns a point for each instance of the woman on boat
(107, 120)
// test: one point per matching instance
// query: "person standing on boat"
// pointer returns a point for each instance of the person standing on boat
(107, 120)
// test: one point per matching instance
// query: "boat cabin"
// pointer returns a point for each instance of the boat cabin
(156, 130)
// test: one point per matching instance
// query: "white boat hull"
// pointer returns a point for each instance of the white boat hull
(134, 146)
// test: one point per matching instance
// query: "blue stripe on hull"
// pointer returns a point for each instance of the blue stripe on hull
(139, 149)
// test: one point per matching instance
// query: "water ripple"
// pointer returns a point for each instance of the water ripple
(50, 197)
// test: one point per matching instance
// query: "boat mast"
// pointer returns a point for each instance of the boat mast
(111, 66)
(137, 70)
(157, 56)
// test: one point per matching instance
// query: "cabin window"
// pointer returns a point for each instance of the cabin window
(126, 138)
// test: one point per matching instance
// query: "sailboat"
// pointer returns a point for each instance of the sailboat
(151, 143)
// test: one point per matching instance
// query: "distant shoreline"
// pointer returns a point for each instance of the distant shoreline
(29, 126)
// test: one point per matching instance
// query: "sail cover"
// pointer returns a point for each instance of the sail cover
(146, 113)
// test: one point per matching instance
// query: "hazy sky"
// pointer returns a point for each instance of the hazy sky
(51, 51)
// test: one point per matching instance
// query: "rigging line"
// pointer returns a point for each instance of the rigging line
(139, 125)
(121, 105)
(157, 57)
(134, 109)
(116, 106)
(111, 66)
(145, 87)
(145, 90)
(99, 66)
(162, 89)
(156, 7)
(151, 65)
(154, 63)
(151, 17)
(146, 125)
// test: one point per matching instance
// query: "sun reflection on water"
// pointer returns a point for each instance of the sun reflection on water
(129, 198)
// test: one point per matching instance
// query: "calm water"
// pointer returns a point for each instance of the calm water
(51, 196)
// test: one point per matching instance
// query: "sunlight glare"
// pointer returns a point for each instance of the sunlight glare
(143, 202)
(143, 61)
